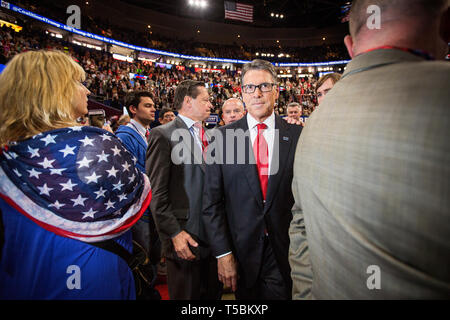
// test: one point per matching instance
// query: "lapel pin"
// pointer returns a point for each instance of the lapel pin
(285, 138)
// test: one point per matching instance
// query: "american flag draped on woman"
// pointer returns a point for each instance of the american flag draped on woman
(62, 187)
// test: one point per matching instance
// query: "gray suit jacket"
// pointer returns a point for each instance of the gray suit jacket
(372, 184)
(174, 166)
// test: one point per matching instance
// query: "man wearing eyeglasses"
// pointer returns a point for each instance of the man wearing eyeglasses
(247, 204)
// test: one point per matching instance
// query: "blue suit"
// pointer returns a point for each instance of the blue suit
(134, 143)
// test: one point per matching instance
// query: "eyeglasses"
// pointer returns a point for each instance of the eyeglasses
(264, 87)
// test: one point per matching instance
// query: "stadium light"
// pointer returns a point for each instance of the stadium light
(198, 3)
(277, 15)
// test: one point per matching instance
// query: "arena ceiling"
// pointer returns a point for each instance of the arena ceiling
(297, 13)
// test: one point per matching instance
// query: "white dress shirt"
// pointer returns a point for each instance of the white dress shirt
(139, 128)
(268, 133)
(195, 132)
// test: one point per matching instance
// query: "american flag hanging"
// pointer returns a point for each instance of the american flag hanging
(77, 182)
(238, 11)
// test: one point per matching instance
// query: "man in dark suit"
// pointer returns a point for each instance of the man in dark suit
(176, 169)
(247, 197)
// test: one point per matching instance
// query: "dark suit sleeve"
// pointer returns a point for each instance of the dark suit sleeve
(157, 165)
(214, 216)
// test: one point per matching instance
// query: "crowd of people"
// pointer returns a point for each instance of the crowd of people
(351, 204)
(109, 79)
(97, 24)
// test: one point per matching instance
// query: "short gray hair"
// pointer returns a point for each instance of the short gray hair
(237, 100)
(259, 64)
(294, 104)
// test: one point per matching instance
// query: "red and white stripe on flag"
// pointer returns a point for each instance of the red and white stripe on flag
(238, 11)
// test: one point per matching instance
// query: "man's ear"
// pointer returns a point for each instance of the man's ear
(133, 110)
(348, 41)
(187, 101)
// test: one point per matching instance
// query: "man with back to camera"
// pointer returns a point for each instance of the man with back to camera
(247, 204)
(371, 171)
(177, 182)
(232, 110)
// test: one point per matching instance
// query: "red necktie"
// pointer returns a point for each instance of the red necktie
(201, 131)
(261, 151)
(147, 133)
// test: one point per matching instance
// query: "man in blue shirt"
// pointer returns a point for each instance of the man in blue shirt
(141, 108)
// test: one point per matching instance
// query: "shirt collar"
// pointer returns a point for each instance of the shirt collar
(269, 122)
(188, 121)
(139, 127)
(378, 58)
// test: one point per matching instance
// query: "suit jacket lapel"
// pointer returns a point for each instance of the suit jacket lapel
(281, 146)
(251, 172)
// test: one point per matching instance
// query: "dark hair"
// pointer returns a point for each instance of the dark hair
(163, 112)
(133, 98)
(186, 88)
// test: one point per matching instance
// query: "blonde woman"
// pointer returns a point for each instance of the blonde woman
(62, 187)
